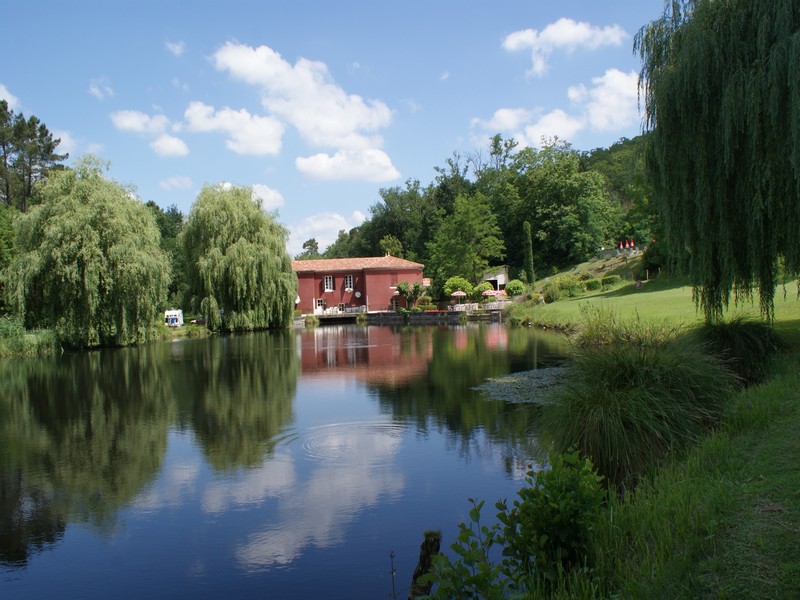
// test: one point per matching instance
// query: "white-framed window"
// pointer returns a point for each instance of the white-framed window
(328, 281)
(348, 282)
(322, 303)
(395, 303)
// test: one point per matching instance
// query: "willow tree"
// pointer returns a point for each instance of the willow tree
(88, 261)
(240, 275)
(530, 275)
(721, 92)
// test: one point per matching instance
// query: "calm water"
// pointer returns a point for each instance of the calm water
(271, 465)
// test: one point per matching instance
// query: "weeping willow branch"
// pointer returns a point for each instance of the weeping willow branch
(721, 91)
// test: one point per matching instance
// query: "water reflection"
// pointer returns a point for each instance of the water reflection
(268, 445)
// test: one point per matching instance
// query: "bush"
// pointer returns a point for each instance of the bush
(610, 280)
(592, 284)
(515, 288)
(15, 340)
(746, 345)
(551, 291)
(544, 536)
(636, 393)
(570, 285)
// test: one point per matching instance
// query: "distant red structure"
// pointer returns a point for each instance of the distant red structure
(368, 284)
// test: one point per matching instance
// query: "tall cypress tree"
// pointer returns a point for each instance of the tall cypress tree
(722, 97)
(529, 273)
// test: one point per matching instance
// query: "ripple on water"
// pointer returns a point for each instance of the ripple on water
(362, 441)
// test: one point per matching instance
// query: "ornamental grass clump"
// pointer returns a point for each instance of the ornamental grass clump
(630, 403)
(746, 344)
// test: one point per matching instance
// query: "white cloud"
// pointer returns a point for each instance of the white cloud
(68, 143)
(444, 76)
(306, 96)
(11, 99)
(323, 227)
(248, 134)
(178, 182)
(359, 165)
(564, 34)
(180, 85)
(139, 122)
(270, 199)
(612, 102)
(153, 126)
(168, 145)
(100, 88)
(176, 48)
(556, 123)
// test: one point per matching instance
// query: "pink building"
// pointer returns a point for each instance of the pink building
(352, 284)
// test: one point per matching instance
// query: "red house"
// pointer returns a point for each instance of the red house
(352, 284)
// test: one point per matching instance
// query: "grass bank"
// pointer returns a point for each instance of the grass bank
(16, 341)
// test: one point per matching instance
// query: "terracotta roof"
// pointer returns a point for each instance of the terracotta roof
(354, 264)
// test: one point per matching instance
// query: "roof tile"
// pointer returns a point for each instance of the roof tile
(354, 264)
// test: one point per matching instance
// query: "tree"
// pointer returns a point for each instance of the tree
(89, 262)
(310, 250)
(720, 88)
(411, 292)
(391, 246)
(239, 272)
(27, 154)
(170, 222)
(466, 240)
(530, 275)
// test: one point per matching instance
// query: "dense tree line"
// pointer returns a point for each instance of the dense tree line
(474, 212)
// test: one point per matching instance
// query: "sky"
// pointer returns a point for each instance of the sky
(317, 105)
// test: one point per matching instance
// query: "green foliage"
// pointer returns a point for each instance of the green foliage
(90, 264)
(547, 531)
(457, 283)
(551, 291)
(592, 284)
(544, 537)
(466, 240)
(635, 395)
(610, 280)
(310, 250)
(170, 222)
(16, 341)
(410, 292)
(238, 269)
(569, 284)
(477, 291)
(527, 268)
(515, 288)
(27, 155)
(747, 346)
(391, 246)
(720, 88)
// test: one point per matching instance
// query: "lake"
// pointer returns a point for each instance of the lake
(276, 465)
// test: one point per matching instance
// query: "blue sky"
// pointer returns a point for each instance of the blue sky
(317, 105)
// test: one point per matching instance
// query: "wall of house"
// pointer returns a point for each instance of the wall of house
(374, 286)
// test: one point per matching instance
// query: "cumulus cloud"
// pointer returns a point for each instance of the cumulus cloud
(68, 143)
(305, 96)
(176, 48)
(610, 104)
(564, 34)
(100, 88)
(168, 145)
(323, 227)
(153, 126)
(363, 165)
(11, 99)
(178, 182)
(247, 134)
(270, 199)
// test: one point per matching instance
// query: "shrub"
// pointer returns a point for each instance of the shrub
(544, 536)
(636, 393)
(551, 291)
(477, 291)
(515, 288)
(592, 284)
(610, 280)
(311, 321)
(547, 531)
(747, 346)
(570, 285)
